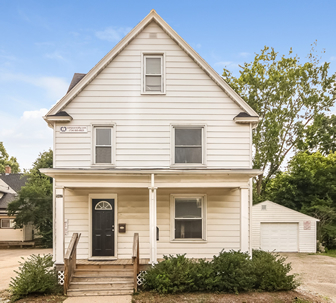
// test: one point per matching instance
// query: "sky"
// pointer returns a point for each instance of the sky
(43, 43)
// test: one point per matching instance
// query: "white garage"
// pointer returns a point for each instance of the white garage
(281, 229)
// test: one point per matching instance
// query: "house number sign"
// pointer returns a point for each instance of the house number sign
(73, 129)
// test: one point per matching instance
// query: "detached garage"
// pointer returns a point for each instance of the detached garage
(275, 227)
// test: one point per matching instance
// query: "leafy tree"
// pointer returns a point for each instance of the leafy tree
(6, 160)
(319, 136)
(34, 202)
(287, 94)
(309, 187)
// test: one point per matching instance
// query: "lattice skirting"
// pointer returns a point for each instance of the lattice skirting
(60, 275)
(140, 277)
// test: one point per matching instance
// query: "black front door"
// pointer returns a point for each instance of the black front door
(102, 227)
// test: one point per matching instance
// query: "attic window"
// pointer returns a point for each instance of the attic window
(263, 207)
(153, 81)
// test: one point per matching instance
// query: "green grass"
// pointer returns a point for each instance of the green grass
(330, 253)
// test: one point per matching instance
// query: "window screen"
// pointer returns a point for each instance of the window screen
(153, 74)
(103, 148)
(7, 223)
(188, 218)
(188, 145)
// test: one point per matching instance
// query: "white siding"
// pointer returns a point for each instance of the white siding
(143, 121)
(11, 234)
(223, 221)
(276, 213)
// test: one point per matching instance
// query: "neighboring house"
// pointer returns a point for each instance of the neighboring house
(276, 227)
(151, 138)
(10, 185)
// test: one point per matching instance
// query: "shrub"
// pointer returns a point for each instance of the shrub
(173, 275)
(231, 271)
(271, 272)
(35, 276)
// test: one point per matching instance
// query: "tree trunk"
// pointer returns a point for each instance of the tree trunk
(259, 184)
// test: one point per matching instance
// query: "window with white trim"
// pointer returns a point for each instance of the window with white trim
(7, 223)
(188, 218)
(188, 145)
(103, 140)
(153, 74)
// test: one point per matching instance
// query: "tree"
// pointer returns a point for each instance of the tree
(34, 202)
(309, 187)
(319, 136)
(287, 95)
(5, 160)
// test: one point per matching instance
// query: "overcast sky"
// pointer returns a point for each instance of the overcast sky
(42, 43)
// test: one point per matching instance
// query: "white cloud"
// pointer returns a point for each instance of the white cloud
(332, 58)
(55, 55)
(113, 34)
(224, 63)
(55, 87)
(25, 137)
(243, 54)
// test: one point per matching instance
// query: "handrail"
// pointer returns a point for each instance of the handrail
(136, 260)
(70, 260)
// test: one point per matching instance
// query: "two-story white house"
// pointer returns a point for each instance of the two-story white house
(151, 141)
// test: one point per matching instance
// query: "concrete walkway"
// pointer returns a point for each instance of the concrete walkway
(9, 261)
(100, 299)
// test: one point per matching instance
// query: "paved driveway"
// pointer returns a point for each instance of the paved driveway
(317, 273)
(9, 259)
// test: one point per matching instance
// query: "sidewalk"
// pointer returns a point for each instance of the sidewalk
(100, 299)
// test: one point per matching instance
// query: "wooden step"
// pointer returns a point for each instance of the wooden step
(104, 278)
(103, 272)
(93, 292)
(104, 266)
(101, 286)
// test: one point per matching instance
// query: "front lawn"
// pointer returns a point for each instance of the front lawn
(251, 297)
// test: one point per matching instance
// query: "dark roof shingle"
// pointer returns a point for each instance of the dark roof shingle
(15, 181)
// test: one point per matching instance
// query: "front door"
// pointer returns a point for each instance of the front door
(103, 227)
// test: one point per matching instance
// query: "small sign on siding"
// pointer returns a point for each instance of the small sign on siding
(307, 225)
(73, 129)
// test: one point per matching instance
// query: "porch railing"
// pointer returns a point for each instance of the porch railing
(70, 261)
(136, 260)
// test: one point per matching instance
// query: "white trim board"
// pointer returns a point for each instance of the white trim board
(152, 16)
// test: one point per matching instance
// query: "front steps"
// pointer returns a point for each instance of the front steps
(101, 280)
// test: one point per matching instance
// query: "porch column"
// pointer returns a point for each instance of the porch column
(152, 222)
(59, 226)
(244, 219)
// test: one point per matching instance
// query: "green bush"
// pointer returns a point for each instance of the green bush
(271, 272)
(173, 275)
(36, 275)
(231, 271)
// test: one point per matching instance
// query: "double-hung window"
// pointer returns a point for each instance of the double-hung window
(153, 73)
(189, 145)
(188, 218)
(103, 151)
(7, 223)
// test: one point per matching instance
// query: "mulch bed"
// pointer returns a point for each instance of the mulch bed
(5, 295)
(251, 297)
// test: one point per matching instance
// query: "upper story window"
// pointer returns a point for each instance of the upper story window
(188, 145)
(153, 74)
(7, 223)
(103, 151)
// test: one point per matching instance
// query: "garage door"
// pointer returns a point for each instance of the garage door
(279, 237)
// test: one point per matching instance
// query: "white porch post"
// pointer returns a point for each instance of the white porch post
(59, 226)
(152, 222)
(244, 219)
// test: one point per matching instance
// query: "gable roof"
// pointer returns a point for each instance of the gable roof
(284, 207)
(152, 16)
(6, 199)
(15, 181)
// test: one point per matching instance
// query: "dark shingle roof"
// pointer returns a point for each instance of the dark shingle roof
(15, 181)
(244, 115)
(60, 114)
(6, 199)
(75, 79)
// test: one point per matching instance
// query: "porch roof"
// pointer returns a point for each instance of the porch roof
(54, 172)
